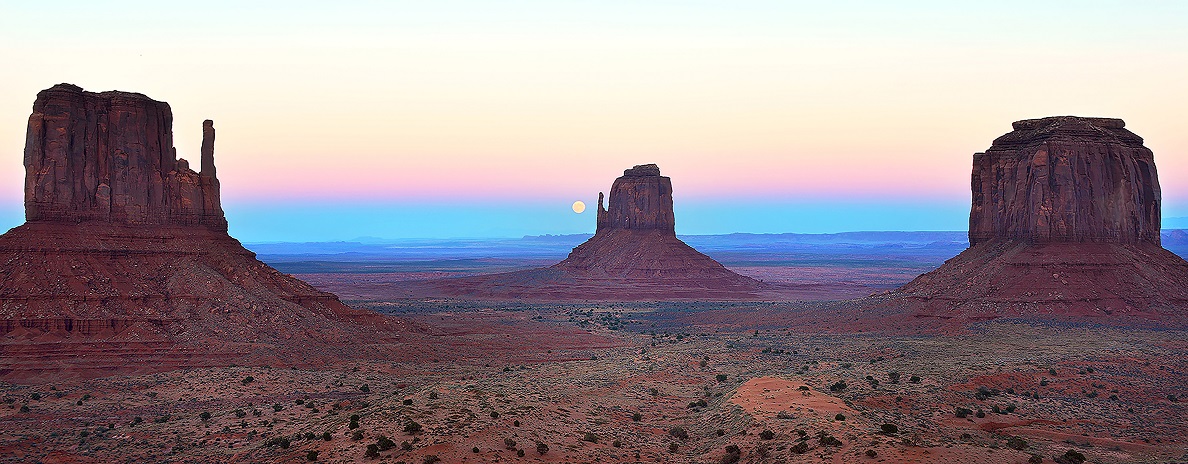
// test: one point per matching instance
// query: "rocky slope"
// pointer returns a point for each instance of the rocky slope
(1064, 225)
(635, 255)
(124, 263)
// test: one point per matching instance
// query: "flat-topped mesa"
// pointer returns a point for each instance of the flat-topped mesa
(639, 200)
(1066, 179)
(109, 157)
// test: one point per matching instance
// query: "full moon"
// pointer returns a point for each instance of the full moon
(578, 207)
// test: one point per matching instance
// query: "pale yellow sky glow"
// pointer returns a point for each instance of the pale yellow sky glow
(513, 100)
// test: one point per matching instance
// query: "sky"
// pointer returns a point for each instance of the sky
(490, 118)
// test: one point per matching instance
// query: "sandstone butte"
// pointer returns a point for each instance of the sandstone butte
(1064, 225)
(634, 255)
(124, 263)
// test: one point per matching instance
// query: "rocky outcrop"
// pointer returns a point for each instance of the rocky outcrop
(1066, 179)
(635, 255)
(109, 156)
(124, 263)
(1064, 224)
(640, 200)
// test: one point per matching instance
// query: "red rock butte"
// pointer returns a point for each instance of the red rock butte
(634, 255)
(1064, 224)
(124, 263)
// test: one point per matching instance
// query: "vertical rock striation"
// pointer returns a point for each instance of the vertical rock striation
(109, 157)
(1066, 179)
(640, 200)
(1064, 224)
(124, 263)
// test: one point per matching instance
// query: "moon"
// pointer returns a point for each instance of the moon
(578, 207)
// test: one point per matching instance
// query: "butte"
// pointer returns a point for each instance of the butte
(1064, 226)
(124, 263)
(634, 255)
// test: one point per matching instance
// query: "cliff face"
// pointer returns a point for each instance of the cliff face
(1066, 179)
(110, 157)
(1064, 225)
(639, 200)
(124, 263)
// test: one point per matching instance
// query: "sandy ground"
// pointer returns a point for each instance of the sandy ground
(698, 392)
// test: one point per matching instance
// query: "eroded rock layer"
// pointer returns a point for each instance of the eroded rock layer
(1066, 179)
(124, 263)
(109, 156)
(1064, 225)
(635, 255)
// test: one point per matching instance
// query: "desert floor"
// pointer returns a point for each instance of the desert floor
(644, 383)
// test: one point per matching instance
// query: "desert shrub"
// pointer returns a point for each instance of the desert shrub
(326, 436)
(520, 453)
(516, 423)
(282, 442)
(828, 440)
(406, 446)
(35, 396)
(590, 437)
(840, 417)
(412, 428)
(871, 453)
(277, 407)
(721, 377)
(430, 459)
(1010, 408)
(1016, 443)
(962, 412)
(364, 388)
(542, 448)
(1172, 398)
(474, 450)
(673, 447)
(372, 451)
(913, 379)
(800, 448)
(407, 402)
(720, 432)
(300, 401)
(509, 443)
(1071, 457)
(312, 455)
(767, 434)
(732, 456)
(617, 444)
(840, 385)
(161, 419)
(433, 395)
(385, 443)
(247, 380)
(494, 415)
(357, 435)
(239, 413)
(980, 414)
(889, 428)
(636, 417)
(1035, 459)
(679, 433)
(893, 376)
(205, 416)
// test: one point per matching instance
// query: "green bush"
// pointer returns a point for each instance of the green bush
(889, 428)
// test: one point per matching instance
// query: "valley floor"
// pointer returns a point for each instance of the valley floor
(640, 388)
